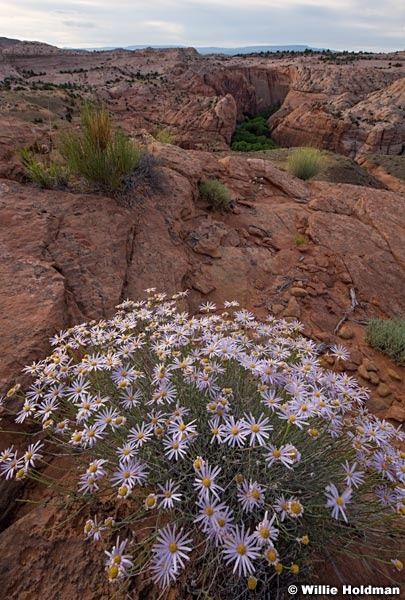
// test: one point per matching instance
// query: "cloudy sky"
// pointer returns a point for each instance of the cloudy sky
(375, 25)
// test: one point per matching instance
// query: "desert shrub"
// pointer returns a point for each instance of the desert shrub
(252, 135)
(146, 178)
(388, 336)
(165, 136)
(305, 162)
(215, 193)
(98, 153)
(300, 240)
(211, 447)
(50, 175)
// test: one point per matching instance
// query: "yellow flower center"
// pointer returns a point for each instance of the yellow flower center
(173, 547)
(150, 501)
(296, 508)
(256, 494)
(206, 482)
(340, 501)
(209, 511)
(276, 453)
(265, 533)
(252, 582)
(241, 549)
(113, 572)
(255, 428)
(234, 431)
(271, 555)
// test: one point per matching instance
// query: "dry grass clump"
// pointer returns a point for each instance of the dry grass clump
(305, 162)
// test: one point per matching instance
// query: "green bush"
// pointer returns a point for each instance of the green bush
(100, 154)
(252, 135)
(305, 162)
(215, 193)
(49, 176)
(165, 137)
(388, 336)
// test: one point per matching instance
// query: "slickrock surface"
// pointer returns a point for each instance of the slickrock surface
(69, 258)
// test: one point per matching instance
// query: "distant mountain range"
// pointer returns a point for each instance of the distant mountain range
(218, 49)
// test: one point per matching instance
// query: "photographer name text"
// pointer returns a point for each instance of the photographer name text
(354, 590)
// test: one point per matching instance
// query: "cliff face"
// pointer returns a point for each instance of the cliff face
(351, 112)
(270, 85)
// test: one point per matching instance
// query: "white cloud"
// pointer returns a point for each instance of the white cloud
(164, 27)
(344, 24)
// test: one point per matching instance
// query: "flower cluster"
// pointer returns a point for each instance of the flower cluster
(248, 453)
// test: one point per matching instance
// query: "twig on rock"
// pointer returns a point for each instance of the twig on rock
(354, 304)
(290, 281)
(266, 233)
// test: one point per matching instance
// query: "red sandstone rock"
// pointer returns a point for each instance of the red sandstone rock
(64, 260)
(68, 258)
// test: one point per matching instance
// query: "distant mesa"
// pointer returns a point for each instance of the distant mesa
(216, 49)
(7, 42)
